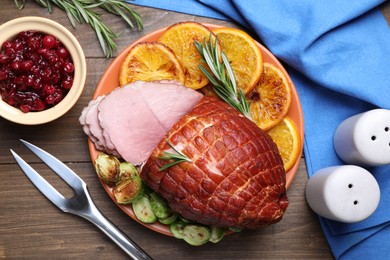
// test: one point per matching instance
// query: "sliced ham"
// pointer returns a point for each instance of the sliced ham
(131, 120)
(129, 124)
(92, 123)
(169, 103)
(236, 176)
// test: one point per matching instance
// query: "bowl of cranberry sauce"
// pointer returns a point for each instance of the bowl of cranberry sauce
(42, 70)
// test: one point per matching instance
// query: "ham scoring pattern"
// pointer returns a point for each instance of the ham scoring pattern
(236, 176)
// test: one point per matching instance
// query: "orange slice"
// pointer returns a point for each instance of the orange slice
(270, 99)
(287, 138)
(150, 61)
(244, 56)
(180, 37)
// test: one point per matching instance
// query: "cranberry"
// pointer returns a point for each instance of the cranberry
(49, 89)
(39, 105)
(49, 100)
(15, 65)
(3, 58)
(49, 41)
(3, 75)
(26, 65)
(34, 44)
(58, 96)
(68, 67)
(62, 52)
(17, 46)
(30, 81)
(25, 108)
(6, 45)
(36, 71)
(46, 74)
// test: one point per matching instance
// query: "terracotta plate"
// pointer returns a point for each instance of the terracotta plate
(110, 80)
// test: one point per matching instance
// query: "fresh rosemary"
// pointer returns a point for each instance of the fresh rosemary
(222, 76)
(82, 11)
(176, 158)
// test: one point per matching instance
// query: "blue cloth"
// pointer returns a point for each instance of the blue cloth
(338, 55)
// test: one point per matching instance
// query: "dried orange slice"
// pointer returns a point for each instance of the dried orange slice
(180, 37)
(287, 138)
(150, 61)
(270, 99)
(243, 54)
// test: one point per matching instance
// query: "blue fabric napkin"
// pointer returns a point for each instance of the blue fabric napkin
(338, 55)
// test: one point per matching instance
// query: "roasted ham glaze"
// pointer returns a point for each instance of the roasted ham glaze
(236, 176)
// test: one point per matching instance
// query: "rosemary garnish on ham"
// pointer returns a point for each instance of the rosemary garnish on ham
(176, 158)
(222, 76)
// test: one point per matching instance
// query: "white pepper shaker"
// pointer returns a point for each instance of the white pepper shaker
(345, 193)
(364, 139)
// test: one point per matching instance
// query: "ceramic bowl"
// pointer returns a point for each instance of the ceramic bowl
(8, 31)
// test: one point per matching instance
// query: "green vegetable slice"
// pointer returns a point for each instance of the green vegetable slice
(169, 220)
(235, 229)
(177, 229)
(196, 235)
(187, 221)
(217, 233)
(143, 210)
(159, 206)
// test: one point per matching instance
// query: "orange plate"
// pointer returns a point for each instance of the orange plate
(110, 80)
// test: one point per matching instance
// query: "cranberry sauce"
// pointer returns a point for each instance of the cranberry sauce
(36, 71)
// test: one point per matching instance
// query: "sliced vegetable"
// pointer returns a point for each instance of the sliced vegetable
(177, 229)
(217, 233)
(159, 206)
(143, 210)
(128, 190)
(187, 221)
(107, 168)
(235, 229)
(196, 235)
(170, 219)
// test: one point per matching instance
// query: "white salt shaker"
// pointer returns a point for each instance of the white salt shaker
(364, 139)
(345, 193)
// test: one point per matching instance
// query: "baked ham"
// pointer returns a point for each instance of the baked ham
(236, 176)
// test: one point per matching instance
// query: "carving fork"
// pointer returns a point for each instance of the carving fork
(81, 203)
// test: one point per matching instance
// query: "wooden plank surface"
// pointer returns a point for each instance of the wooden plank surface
(32, 228)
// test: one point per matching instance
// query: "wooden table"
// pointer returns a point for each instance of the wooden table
(31, 227)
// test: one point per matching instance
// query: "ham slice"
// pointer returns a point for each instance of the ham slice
(236, 176)
(131, 120)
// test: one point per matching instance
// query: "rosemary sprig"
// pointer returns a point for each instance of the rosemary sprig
(177, 157)
(79, 11)
(222, 76)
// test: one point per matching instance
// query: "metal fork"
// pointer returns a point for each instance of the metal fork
(81, 203)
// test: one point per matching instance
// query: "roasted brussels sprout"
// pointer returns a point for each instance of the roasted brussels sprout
(107, 168)
(127, 170)
(128, 190)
